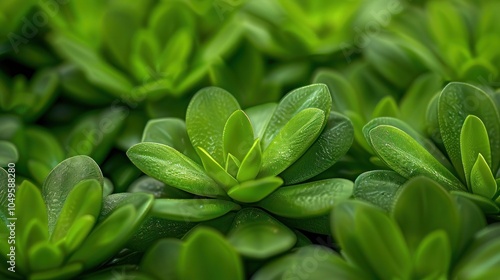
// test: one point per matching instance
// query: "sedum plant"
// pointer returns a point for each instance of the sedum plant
(68, 226)
(427, 234)
(464, 121)
(223, 159)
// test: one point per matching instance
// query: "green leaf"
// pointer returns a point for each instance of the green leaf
(254, 190)
(332, 144)
(238, 135)
(8, 153)
(386, 107)
(161, 260)
(232, 165)
(192, 210)
(75, 207)
(107, 238)
(164, 163)
(251, 163)
(472, 220)
(326, 263)
(292, 141)
(307, 200)
(344, 96)
(456, 102)
(482, 260)
(408, 158)
(62, 179)
(260, 116)
(95, 68)
(150, 185)
(255, 234)
(474, 142)
(481, 180)
(414, 102)
(312, 96)
(77, 233)
(207, 255)
(486, 205)
(353, 221)
(206, 117)
(433, 256)
(171, 132)
(215, 171)
(424, 142)
(66, 272)
(422, 207)
(45, 256)
(378, 187)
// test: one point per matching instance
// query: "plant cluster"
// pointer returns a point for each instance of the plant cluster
(249, 139)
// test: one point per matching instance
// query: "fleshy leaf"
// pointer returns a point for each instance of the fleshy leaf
(8, 153)
(62, 179)
(260, 116)
(223, 264)
(312, 96)
(171, 167)
(255, 234)
(162, 259)
(192, 210)
(292, 141)
(76, 207)
(352, 221)
(238, 135)
(405, 156)
(486, 205)
(333, 142)
(254, 190)
(433, 256)
(215, 171)
(481, 180)
(378, 187)
(423, 207)
(206, 117)
(456, 102)
(474, 141)
(251, 163)
(171, 132)
(327, 264)
(307, 200)
(232, 165)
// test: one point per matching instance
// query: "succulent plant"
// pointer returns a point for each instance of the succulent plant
(427, 234)
(464, 120)
(225, 159)
(52, 233)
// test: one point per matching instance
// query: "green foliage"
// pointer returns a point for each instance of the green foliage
(233, 168)
(466, 119)
(59, 235)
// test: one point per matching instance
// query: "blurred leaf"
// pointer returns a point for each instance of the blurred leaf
(255, 234)
(423, 207)
(8, 153)
(207, 255)
(161, 260)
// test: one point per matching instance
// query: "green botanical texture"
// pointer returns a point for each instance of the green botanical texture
(241, 165)
(203, 254)
(464, 122)
(69, 226)
(428, 234)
